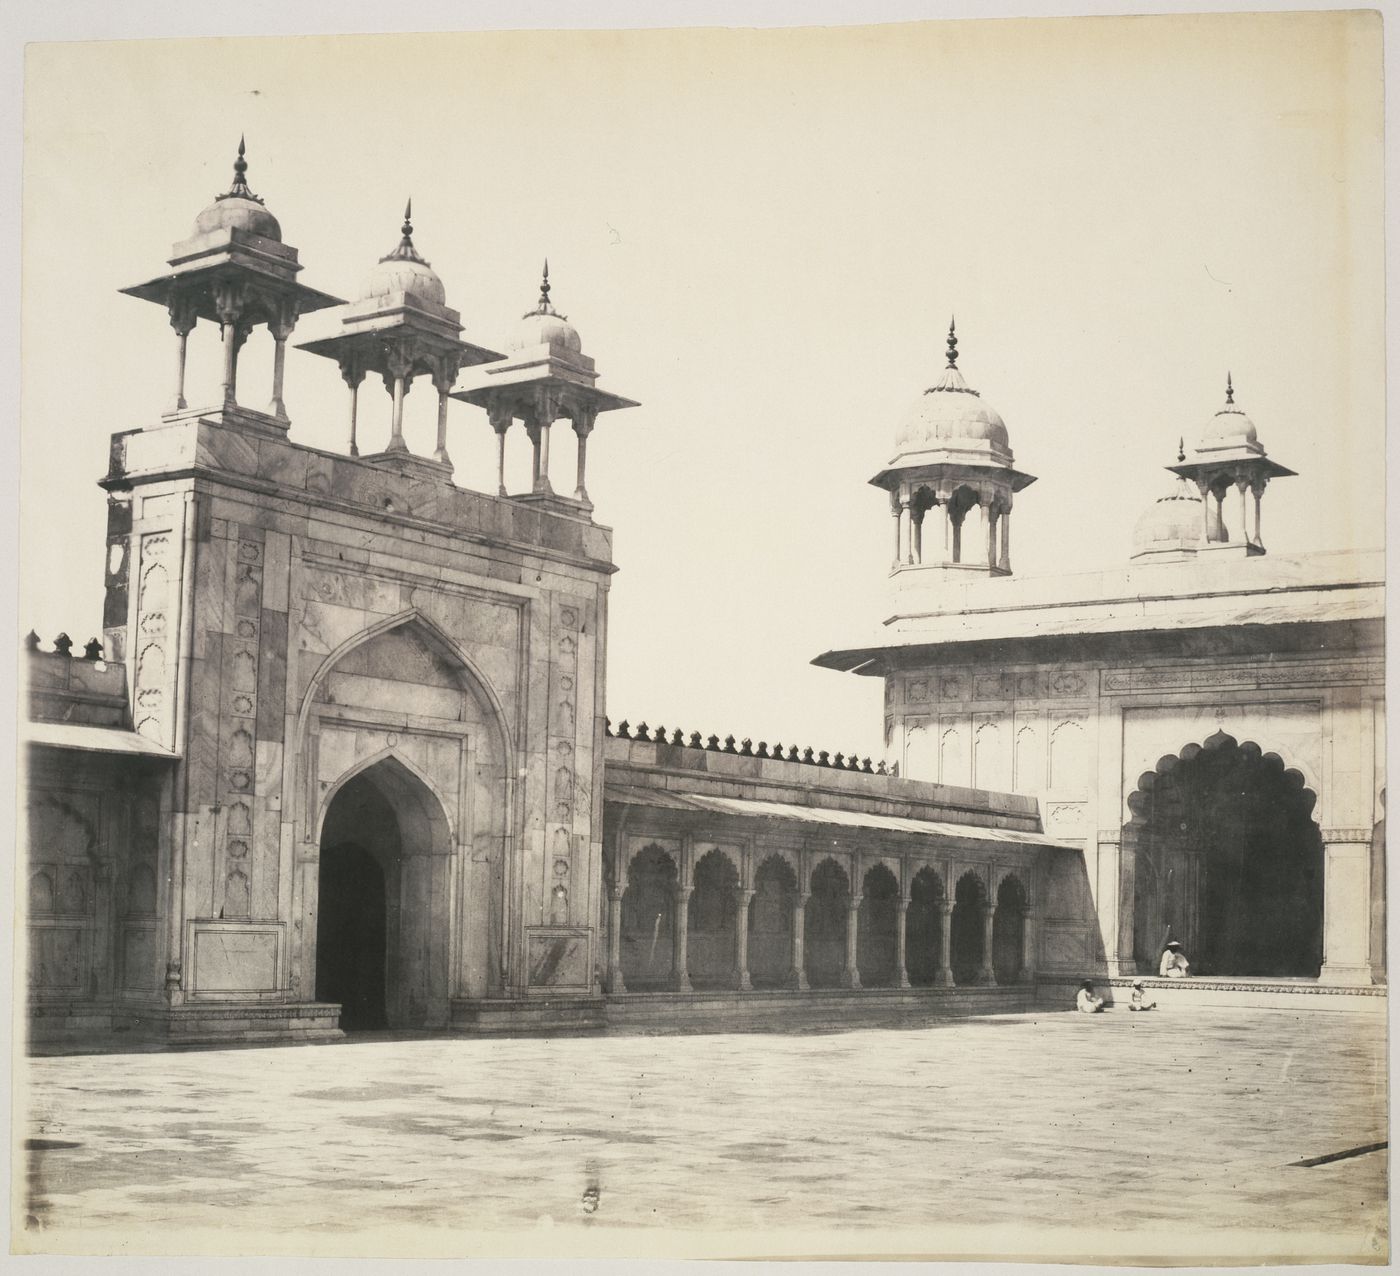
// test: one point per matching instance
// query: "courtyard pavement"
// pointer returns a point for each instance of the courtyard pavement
(1118, 1135)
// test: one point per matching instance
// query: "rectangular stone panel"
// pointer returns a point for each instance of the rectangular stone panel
(272, 676)
(138, 958)
(234, 959)
(558, 958)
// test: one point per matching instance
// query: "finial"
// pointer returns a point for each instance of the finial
(240, 180)
(952, 343)
(544, 289)
(1229, 390)
(1181, 449)
(405, 250)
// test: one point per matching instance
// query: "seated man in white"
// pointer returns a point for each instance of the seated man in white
(1174, 963)
(1139, 999)
(1086, 1001)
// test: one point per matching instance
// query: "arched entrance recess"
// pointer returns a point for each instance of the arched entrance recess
(924, 929)
(824, 927)
(876, 938)
(712, 922)
(382, 919)
(770, 924)
(1009, 930)
(649, 921)
(969, 929)
(1229, 862)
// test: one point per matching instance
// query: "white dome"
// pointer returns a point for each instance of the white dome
(237, 212)
(404, 274)
(545, 327)
(1172, 522)
(948, 412)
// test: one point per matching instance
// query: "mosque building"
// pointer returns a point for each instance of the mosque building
(340, 758)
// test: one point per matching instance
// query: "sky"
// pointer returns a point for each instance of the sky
(760, 235)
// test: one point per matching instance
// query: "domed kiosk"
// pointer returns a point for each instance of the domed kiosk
(401, 327)
(1230, 455)
(544, 378)
(234, 271)
(952, 455)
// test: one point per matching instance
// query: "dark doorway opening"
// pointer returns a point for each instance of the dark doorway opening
(1229, 862)
(351, 936)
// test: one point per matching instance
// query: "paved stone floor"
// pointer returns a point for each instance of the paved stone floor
(1125, 1135)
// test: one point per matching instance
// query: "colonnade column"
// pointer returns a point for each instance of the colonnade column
(182, 319)
(501, 416)
(443, 378)
(918, 535)
(743, 898)
(399, 371)
(583, 427)
(353, 374)
(850, 976)
(1027, 945)
(987, 975)
(281, 328)
(901, 968)
(797, 976)
(906, 531)
(615, 981)
(1258, 490)
(989, 515)
(545, 412)
(898, 511)
(944, 978)
(1240, 485)
(680, 960)
(1005, 524)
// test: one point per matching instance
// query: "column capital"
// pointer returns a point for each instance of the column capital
(1346, 836)
(182, 315)
(744, 893)
(854, 902)
(228, 300)
(352, 371)
(445, 369)
(500, 414)
(584, 419)
(284, 318)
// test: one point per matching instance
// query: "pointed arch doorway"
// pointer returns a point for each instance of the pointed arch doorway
(1229, 862)
(383, 916)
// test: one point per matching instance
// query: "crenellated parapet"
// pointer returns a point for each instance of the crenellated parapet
(746, 748)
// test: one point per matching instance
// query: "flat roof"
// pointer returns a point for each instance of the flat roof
(756, 808)
(91, 739)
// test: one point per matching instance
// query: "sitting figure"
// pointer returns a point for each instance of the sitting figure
(1174, 963)
(1139, 1001)
(1086, 1001)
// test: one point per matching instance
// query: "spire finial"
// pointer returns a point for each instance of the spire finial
(405, 251)
(952, 342)
(544, 286)
(1181, 449)
(1229, 390)
(240, 180)
(408, 219)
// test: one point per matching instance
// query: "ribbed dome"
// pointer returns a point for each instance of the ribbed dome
(1230, 427)
(404, 274)
(238, 208)
(235, 212)
(403, 270)
(545, 326)
(949, 411)
(1171, 522)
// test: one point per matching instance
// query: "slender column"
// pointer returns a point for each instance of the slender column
(443, 379)
(944, 977)
(1222, 533)
(743, 898)
(901, 969)
(680, 960)
(850, 976)
(987, 975)
(544, 452)
(1240, 485)
(228, 305)
(396, 443)
(1207, 527)
(281, 329)
(797, 976)
(583, 427)
(182, 319)
(897, 510)
(1027, 945)
(353, 374)
(957, 522)
(947, 532)
(532, 432)
(918, 520)
(501, 417)
(906, 531)
(546, 410)
(989, 516)
(615, 981)
(1005, 524)
(1258, 490)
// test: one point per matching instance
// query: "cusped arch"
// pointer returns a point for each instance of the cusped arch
(881, 877)
(653, 850)
(1012, 891)
(414, 773)
(707, 849)
(971, 887)
(787, 859)
(469, 675)
(929, 877)
(1139, 801)
(820, 868)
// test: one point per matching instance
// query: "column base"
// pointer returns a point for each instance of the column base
(682, 984)
(616, 984)
(903, 980)
(743, 983)
(943, 979)
(850, 979)
(797, 980)
(1335, 973)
